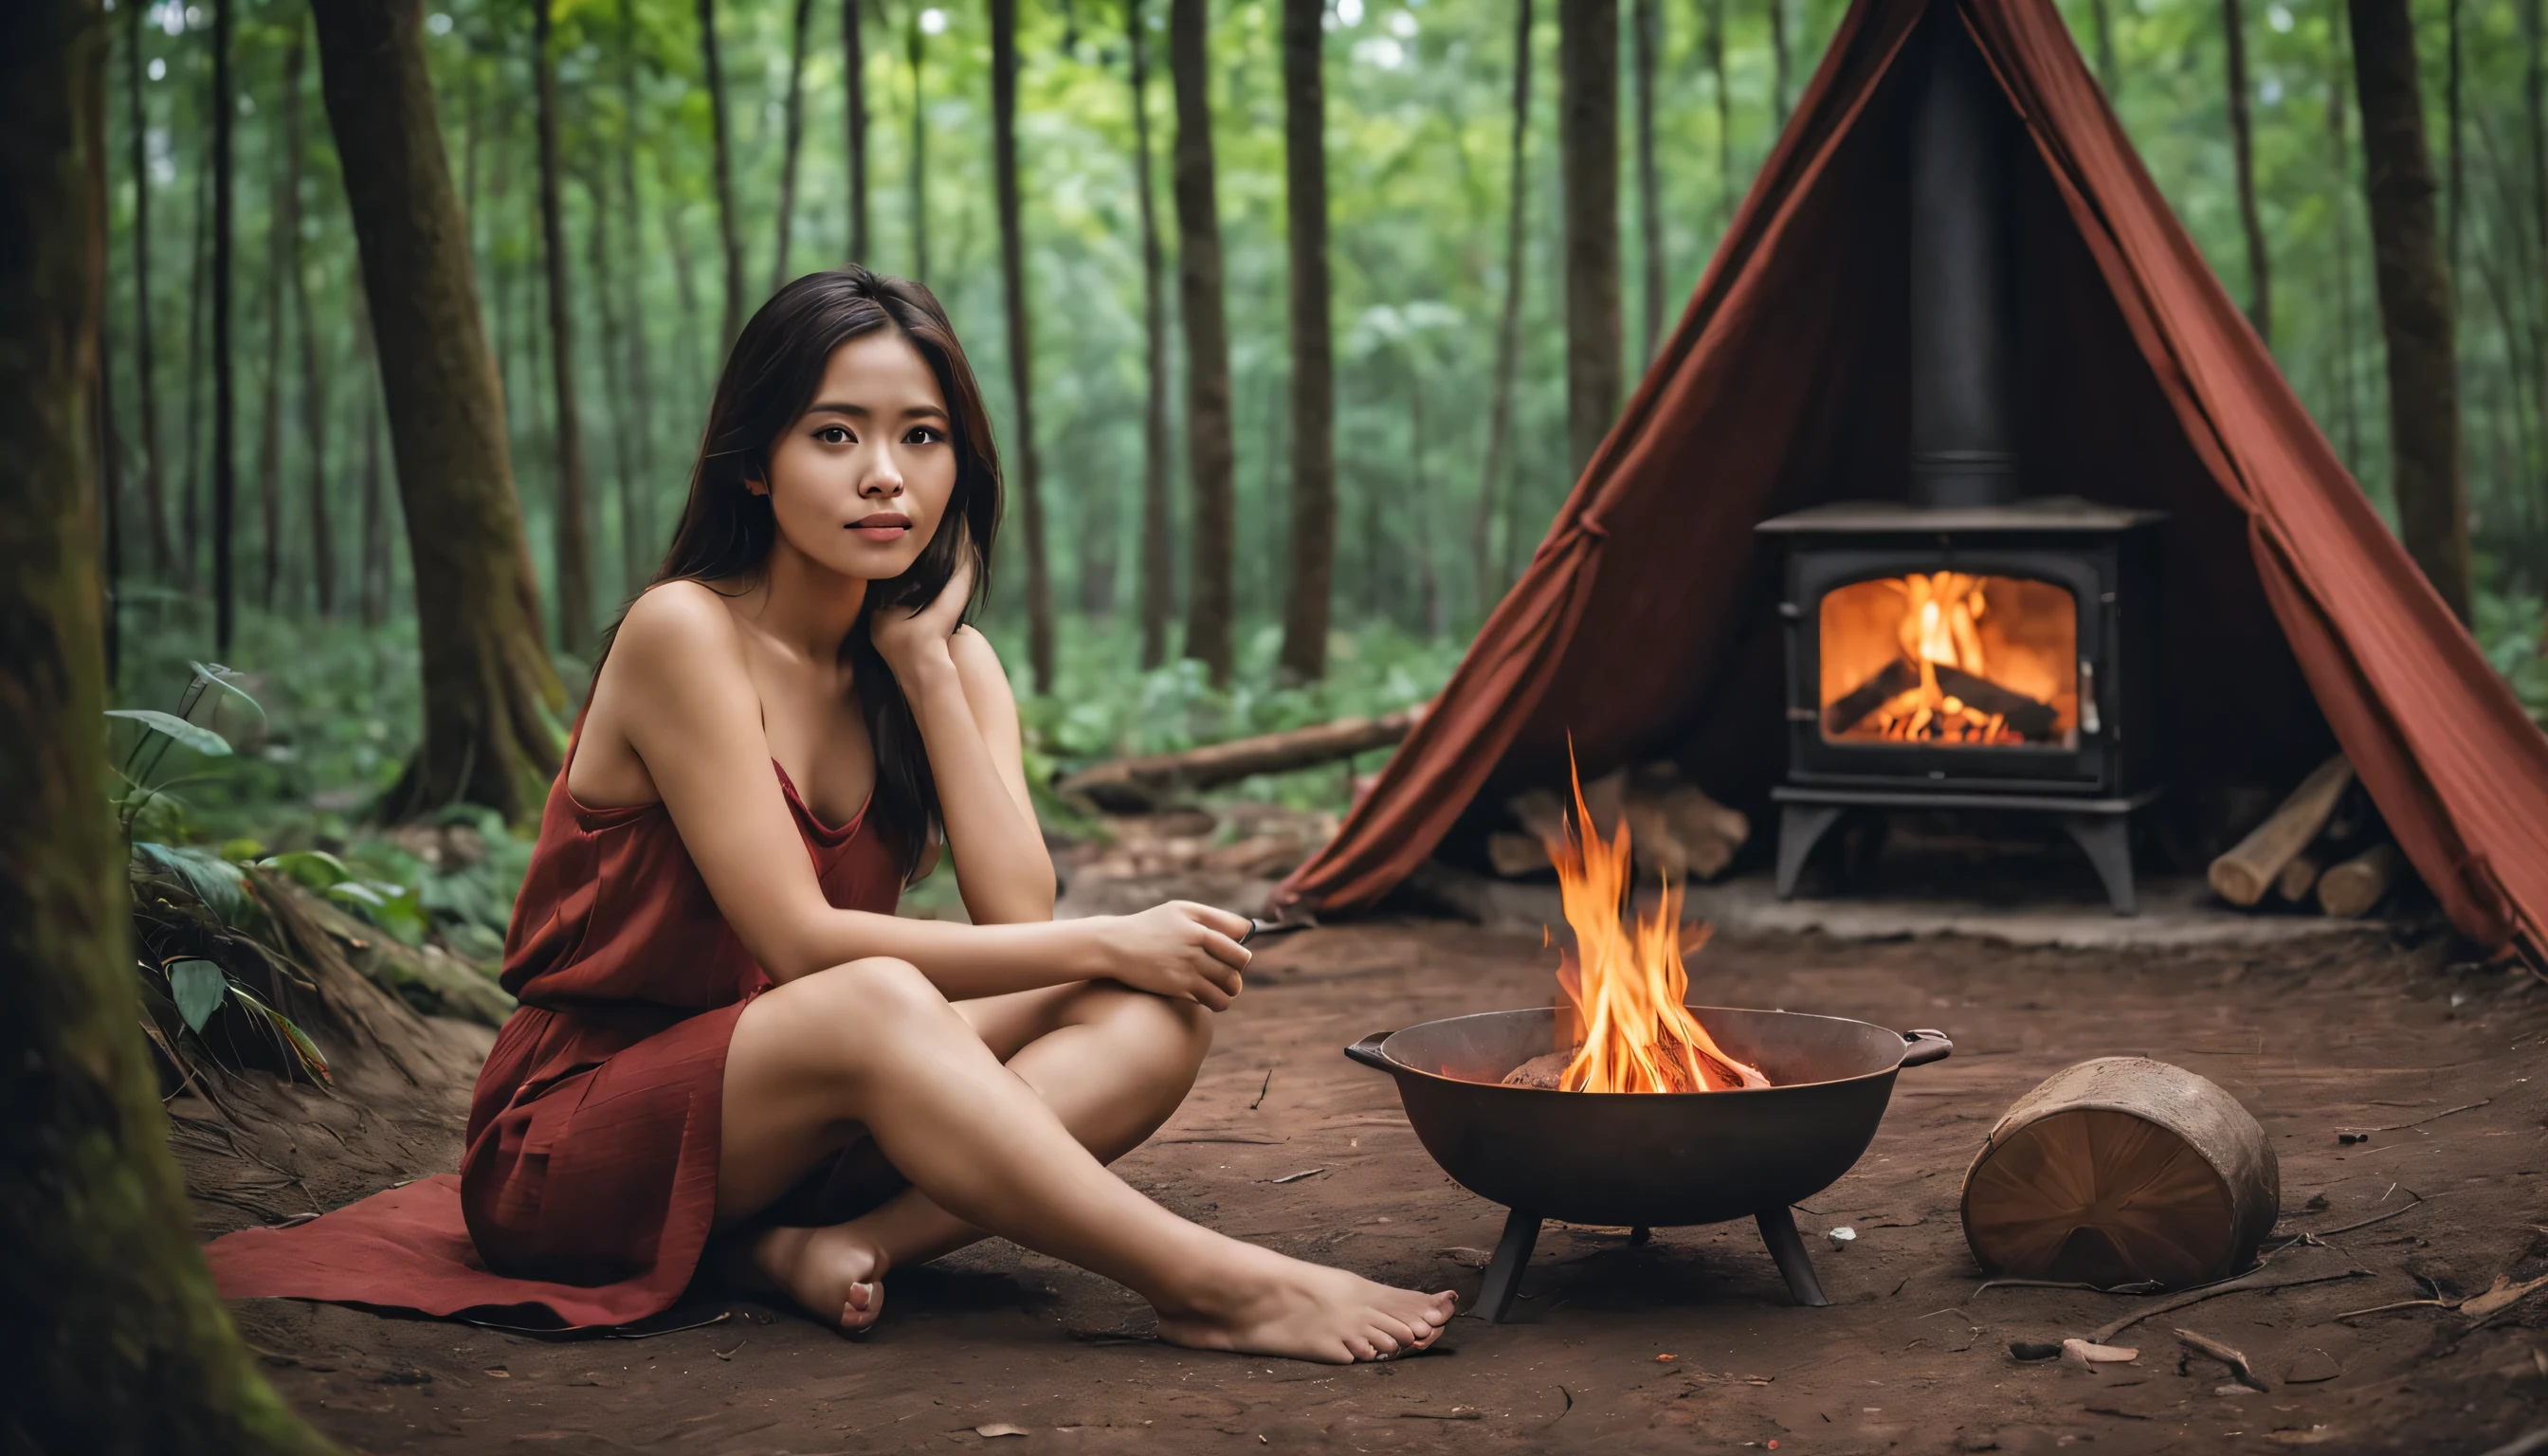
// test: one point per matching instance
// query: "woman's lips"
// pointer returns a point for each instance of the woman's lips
(885, 525)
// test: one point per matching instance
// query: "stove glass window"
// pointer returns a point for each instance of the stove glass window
(1953, 659)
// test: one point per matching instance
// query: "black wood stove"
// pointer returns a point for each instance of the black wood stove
(1976, 648)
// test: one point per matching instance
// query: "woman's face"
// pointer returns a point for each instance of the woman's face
(863, 478)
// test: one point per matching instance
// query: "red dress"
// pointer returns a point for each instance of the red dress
(589, 1182)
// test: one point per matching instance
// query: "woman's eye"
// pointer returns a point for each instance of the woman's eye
(923, 435)
(833, 435)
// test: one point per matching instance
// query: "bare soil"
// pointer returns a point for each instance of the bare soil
(1687, 1342)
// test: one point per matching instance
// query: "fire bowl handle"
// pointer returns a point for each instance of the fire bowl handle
(1367, 1052)
(1926, 1045)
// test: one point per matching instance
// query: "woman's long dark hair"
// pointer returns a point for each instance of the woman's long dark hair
(726, 530)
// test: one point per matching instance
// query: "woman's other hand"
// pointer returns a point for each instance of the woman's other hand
(907, 637)
(1179, 949)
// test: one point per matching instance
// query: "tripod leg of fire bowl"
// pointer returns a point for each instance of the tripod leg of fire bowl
(1503, 1272)
(1778, 1231)
(1800, 828)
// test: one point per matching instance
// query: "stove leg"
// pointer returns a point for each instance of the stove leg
(1800, 828)
(1778, 1231)
(2108, 840)
(1503, 1272)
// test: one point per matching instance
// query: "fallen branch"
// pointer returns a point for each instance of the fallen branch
(1138, 784)
(2420, 1122)
(2251, 1284)
(2226, 1354)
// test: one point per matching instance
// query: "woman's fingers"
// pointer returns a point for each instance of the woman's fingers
(1228, 951)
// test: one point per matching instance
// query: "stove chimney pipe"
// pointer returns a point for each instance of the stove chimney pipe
(1964, 444)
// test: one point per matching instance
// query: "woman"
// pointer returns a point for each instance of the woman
(725, 1031)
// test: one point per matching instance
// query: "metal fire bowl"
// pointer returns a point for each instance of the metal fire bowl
(1649, 1159)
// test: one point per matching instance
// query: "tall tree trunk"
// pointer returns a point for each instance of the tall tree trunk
(1429, 615)
(1158, 507)
(224, 351)
(574, 564)
(199, 304)
(1012, 279)
(786, 222)
(1588, 137)
(640, 361)
(726, 235)
(685, 267)
(2260, 291)
(1725, 192)
(1209, 449)
(155, 480)
(1491, 507)
(2456, 174)
(2414, 299)
(854, 69)
(2102, 17)
(373, 565)
(489, 689)
(918, 50)
(131, 1347)
(618, 393)
(1777, 59)
(313, 374)
(1650, 219)
(2348, 414)
(281, 236)
(2534, 114)
(1308, 585)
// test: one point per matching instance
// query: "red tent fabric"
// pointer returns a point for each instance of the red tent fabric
(2294, 622)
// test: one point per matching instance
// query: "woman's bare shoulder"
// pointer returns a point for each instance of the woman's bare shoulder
(678, 625)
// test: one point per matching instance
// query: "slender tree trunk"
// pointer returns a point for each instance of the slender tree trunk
(2349, 417)
(1589, 135)
(1308, 586)
(101, 396)
(198, 303)
(639, 362)
(726, 236)
(313, 374)
(1420, 507)
(618, 393)
(154, 487)
(1209, 628)
(1158, 507)
(281, 236)
(1725, 190)
(1777, 59)
(1491, 508)
(373, 567)
(224, 350)
(574, 564)
(2102, 15)
(854, 69)
(685, 267)
(1650, 219)
(795, 140)
(1012, 279)
(489, 689)
(131, 1348)
(918, 50)
(2261, 292)
(2456, 173)
(2414, 299)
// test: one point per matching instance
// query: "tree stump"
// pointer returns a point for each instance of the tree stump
(2120, 1171)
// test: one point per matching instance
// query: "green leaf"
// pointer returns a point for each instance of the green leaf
(317, 869)
(198, 987)
(220, 676)
(312, 1061)
(393, 907)
(214, 880)
(195, 736)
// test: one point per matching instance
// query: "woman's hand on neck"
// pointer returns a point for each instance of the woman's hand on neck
(914, 643)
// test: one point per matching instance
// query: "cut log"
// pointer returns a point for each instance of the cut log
(2352, 890)
(1676, 829)
(2243, 874)
(2298, 878)
(1893, 680)
(1137, 785)
(2122, 1170)
(2025, 716)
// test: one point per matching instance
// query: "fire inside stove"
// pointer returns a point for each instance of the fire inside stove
(1951, 658)
(1624, 1024)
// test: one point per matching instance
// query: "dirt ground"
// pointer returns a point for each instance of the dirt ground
(1686, 1343)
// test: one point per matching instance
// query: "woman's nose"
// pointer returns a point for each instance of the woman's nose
(884, 481)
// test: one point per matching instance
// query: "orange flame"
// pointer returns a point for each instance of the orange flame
(1625, 982)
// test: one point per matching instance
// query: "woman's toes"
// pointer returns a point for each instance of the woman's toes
(1362, 1349)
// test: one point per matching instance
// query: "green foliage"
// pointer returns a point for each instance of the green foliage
(2512, 630)
(198, 987)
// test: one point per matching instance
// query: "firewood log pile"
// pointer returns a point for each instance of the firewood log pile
(2324, 849)
(1676, 829)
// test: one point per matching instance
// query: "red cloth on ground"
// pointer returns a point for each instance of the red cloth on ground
(589, 1182)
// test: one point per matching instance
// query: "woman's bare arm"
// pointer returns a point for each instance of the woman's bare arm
(969, 722)
(674, 688)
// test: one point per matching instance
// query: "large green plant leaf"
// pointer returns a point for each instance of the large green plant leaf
(212, 879)
(393, 907)
(195, 736)
(317, 869)
(198, 987)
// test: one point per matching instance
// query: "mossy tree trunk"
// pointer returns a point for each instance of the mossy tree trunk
(574, 552)
(1013, 279)
(1209, 447)
(1309, 584)
(1589, 135)
(135, 1351)
(489, 689)
(1158, 508)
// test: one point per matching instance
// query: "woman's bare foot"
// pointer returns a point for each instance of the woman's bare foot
(835, 1274)
(1265, 1304)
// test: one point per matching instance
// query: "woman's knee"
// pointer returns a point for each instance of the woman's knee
(1177, 1026)
(878, 993)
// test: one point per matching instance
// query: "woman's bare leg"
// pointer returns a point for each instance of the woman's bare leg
(1113, 1064)
(872, 1044)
